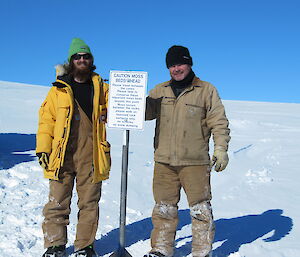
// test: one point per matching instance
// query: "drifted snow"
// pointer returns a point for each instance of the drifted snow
(255, 200)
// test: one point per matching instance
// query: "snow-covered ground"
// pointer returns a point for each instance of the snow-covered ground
(255, 201)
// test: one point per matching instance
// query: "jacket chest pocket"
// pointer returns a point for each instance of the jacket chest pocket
(195, 112)
(167, 106)
(195, 123)
(63, 108)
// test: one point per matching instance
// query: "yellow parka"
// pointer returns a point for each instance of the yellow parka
(55, 117)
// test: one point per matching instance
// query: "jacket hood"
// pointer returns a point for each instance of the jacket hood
(62, 75)
(61, 69)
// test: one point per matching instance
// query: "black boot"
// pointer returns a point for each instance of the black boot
(86, 252)
(154, 254)
(56, 251)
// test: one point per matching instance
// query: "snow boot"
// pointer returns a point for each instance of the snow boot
(86, 252)
(154, 254)
(56, 251)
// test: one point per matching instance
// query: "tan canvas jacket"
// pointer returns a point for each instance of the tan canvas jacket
(184, 124)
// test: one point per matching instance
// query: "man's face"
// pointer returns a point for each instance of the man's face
(180, 71)
(82, 62)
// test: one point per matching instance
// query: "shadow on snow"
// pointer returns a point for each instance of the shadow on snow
(231, 233)
(11, 147)
(234, 232)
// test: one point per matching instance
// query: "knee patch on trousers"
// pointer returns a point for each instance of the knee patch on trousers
(165, 211)
(202, 211)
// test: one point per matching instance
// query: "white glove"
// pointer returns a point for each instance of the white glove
(219, 159)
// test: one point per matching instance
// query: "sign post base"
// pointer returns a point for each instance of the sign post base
(123, 253)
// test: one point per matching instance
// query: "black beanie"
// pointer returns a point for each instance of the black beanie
(178, 55)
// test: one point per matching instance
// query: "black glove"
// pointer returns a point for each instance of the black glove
(153, 107)
(43, 159)
(153, 101)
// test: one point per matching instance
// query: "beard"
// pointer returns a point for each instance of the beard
(82, 70)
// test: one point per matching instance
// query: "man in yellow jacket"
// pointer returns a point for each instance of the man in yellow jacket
(71, 144)
(187, 111)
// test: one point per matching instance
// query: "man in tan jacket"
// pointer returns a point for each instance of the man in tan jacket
(187, 111)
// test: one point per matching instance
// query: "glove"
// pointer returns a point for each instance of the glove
(219, 159)
(152, 107)
(153, 101)
(43, 159)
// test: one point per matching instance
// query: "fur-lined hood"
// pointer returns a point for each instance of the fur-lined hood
(61, 69)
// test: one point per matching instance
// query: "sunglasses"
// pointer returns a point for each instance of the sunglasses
(84, 56)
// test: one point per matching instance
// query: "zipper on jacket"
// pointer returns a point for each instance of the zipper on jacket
(64, 133)
(175, 135)
(67, 127)
(176, 121)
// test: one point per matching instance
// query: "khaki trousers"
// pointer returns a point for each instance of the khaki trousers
(77, 167)
(167, 183)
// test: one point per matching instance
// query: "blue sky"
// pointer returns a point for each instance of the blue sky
(250, 50)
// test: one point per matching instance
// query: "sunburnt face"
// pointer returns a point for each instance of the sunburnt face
(180, 71)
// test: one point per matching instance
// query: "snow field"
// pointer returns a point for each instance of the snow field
(254, 199)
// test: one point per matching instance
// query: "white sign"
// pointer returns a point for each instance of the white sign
(126, 106)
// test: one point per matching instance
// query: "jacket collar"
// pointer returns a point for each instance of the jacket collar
(196, 82)
(66, 80)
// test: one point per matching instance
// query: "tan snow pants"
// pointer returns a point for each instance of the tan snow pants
(167, 183)
(77, 166)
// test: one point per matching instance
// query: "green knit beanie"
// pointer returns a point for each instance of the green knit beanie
(78, 46)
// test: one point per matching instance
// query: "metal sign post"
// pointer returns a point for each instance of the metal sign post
(122, 252)
(126, 111)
